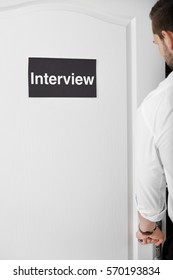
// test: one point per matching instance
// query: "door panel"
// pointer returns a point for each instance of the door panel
(66, 182)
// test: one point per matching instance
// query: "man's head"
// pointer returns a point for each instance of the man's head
(162, 24)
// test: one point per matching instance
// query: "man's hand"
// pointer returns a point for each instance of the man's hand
(157, 237)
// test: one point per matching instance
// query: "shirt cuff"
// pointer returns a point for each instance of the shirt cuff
(153, 218)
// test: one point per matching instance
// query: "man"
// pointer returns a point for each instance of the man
(153, 137)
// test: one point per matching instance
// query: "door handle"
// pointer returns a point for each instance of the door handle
(158, 249)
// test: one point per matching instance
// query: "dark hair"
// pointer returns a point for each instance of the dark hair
(162, 17)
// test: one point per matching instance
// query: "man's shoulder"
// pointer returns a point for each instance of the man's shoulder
(157, 107)
(162, 96)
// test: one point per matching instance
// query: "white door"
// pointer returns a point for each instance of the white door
(66, 187)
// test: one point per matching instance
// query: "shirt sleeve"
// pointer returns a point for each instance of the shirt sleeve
(164, 144)
(149, 175)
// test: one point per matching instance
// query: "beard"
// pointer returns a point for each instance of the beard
(168, 57)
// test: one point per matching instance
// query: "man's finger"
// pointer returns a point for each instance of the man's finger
(158, 242)
(149, 240)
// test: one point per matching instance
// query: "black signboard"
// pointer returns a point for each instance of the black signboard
(62, 77)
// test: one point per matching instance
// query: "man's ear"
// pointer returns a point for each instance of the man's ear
(168, 39)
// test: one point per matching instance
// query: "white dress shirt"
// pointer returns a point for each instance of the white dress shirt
(153, 152)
